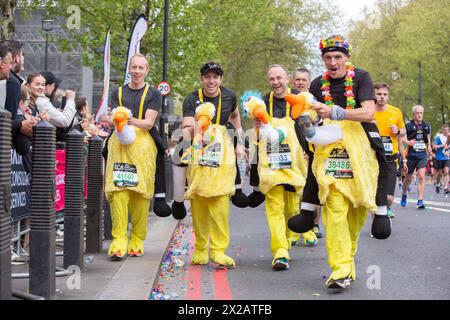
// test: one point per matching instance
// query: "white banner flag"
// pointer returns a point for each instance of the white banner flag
(140, 27)
(103, 106)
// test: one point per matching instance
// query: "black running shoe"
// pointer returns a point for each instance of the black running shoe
(438, 188)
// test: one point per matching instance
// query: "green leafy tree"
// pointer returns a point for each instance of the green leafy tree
(244, 36)
(402, 34)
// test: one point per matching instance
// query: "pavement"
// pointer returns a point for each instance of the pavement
(413, 263)
(102, 279)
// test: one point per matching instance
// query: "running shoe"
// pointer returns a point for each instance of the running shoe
(446, 191)
(420, 204)
(390, 214)
(438, 188)
(339, 283)
(317, 231)
(403, 201)
(280, 264)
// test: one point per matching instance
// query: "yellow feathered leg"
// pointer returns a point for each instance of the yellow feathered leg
(279, 244)
(139, 210)
(119, 215)
(356, 220)
(201, 224)
(219, 210)
(291, 208)
(339, 241)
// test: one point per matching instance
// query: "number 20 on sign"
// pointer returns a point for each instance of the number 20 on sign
(165, 88)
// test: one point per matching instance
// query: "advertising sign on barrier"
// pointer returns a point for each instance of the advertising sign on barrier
(60, 176)
(20, 188)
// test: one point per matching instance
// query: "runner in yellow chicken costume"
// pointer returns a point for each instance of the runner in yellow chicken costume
(281, 167)
(346, 168)
(131, 162)
(211, 162)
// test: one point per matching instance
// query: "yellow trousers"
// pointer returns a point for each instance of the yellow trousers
(210, 222)
(122, 202)
(343, 224)
(280, 206)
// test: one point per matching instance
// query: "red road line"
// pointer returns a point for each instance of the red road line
(194, 279)
(221, 285)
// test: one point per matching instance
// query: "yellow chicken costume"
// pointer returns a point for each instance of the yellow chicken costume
(210, 175)
(343, 169)
(130, 175)
(280, 162)
(344, 164)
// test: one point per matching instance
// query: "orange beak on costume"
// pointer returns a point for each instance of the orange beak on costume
(203, 122)
(204, 113)
(256, 109)
(298, 104)
(120, 120)
(260, 113)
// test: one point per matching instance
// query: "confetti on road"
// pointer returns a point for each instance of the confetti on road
(173, 265)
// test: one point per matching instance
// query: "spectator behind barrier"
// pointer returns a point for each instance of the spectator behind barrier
(42, 105)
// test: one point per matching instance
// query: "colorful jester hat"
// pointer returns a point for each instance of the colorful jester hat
(335, 43)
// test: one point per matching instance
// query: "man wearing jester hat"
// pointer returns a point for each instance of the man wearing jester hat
(350, 170)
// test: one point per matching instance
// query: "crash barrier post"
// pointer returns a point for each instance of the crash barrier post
(5, 205)
(43, 218)
(94, 210)
(74, 201)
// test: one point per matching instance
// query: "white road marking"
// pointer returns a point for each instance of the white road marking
(427, 203)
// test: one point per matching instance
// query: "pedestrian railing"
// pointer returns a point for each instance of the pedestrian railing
(41, 210)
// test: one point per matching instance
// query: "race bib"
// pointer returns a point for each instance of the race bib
(125, 175)
(211, 155)
(279, 158)
(388, 145)
(338, 165)
(420, 146)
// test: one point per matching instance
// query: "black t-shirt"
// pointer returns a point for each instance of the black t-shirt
(279, 104)
(362, 88)
(418, 132)
(229, 104)
(131, 99)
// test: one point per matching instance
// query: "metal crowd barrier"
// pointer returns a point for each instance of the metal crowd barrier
(5, 205)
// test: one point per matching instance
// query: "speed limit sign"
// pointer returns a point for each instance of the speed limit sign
(165, 88)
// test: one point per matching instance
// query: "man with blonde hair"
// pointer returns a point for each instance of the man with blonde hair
(130, 169)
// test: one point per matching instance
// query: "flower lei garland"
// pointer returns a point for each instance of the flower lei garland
(350, 74)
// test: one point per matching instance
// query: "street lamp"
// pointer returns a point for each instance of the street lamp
(163, 121)
(47, 26)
